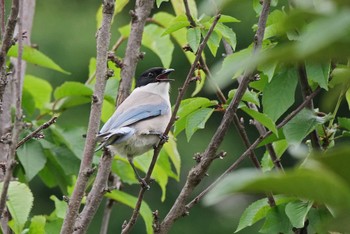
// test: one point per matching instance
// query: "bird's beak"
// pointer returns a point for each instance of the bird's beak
(168, 71)
(164, 76)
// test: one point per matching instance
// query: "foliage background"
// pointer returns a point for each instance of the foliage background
(65, 31)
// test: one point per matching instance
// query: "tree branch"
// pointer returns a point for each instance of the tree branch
(180, 96)
(95, 196)
(36, 131)
(305, 91)
(197, 173)
(103, 41)
(18, 115)
(6, 43)
(253, 146)
(132, 54)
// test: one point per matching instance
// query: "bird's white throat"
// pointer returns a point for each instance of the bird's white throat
(159, 88)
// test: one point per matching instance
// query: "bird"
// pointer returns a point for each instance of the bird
(138, 123)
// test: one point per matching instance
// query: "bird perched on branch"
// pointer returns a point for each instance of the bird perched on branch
(139, 122)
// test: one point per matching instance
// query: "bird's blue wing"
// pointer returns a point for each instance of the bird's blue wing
(135, 115)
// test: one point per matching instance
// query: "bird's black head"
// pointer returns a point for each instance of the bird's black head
(154, 75)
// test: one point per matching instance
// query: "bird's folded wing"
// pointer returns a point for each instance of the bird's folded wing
(134, 115)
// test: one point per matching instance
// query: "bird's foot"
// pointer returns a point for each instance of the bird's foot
(163, 138)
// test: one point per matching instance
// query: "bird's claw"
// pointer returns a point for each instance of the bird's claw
(163, 138)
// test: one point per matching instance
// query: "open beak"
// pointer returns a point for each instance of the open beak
(164, 76)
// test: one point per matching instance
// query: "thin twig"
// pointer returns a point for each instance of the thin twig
(115, 183)
(198, 172)
(181, 95)
(36, 131)
(2, 17)
(103, 40)
(99, 188)
(6, 43)
(305, 91)
(18, 115)
(240, 128)
(252, 147)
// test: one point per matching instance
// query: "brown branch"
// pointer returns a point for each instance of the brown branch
(188, 15)
(115, 184)
(103, 41)
(99, 188)
(2, 17)
(36, 131)
(6, 43)
(305, 91)
(132, 54)
(17, 126)
(253, 146)
(198, 172)
(180, 96)
(240, 128)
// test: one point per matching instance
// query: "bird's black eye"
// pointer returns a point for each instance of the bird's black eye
(150, 75)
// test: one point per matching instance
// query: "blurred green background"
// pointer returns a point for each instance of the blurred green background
(65, 31)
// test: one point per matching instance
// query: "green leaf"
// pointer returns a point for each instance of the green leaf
(226, 19)
(304, 183)
(223, 73)
(279, 94)
(213, 42)
(199, 83)
(159, 2)
(170, 149)
(197, 120)
(268, 69)
(347, 96)
(276, 221)
(301, 125)
(160, 45)
(180, 35)
(188, 106)
(318, 73)
(248, 96)
(72, 138)
(54, 226)
(60, 207)
(261, 118)
(28, 103)
(227, 33)
(19, 202)
(34, 56)
(32, 158)
(37, 225)
(39, 89)
(258, 210)
(335, 159)
(123, 169)
(72, 88)
(179, 22)
(179, 7)
(107, 110)
(344, 123)
(130, 201)
(272, 138)
(194, 38)
(297, 212)
(274, 27)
